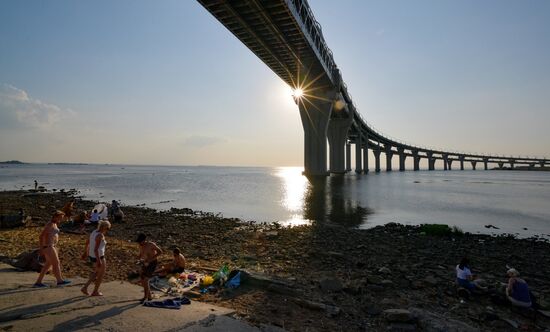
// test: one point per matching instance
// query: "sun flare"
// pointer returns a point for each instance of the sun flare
(298, 93)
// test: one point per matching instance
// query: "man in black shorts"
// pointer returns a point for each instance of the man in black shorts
(148, 253)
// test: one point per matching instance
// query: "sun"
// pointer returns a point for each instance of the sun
(298, 93)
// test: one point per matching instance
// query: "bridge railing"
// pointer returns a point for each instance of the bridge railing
(313, 28)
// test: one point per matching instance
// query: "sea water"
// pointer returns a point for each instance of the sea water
(516, 202)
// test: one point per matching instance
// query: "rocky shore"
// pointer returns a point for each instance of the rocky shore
(313, 278)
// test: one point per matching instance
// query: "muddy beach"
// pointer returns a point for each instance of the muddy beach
(318, 277)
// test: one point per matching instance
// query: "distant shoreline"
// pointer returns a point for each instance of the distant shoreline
(12, 162)
(523, 168)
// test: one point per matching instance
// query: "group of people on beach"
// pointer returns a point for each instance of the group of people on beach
(94, 252)
(516, 291)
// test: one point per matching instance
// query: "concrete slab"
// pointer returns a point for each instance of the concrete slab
(23, 308)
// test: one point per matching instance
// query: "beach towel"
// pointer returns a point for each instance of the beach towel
(177, 287)
(174, 303)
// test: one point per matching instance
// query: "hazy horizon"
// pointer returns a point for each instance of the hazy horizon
(143, 83)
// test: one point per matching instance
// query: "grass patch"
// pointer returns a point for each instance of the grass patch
(440, 229)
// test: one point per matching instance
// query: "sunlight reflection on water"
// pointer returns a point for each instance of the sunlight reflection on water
(294, 190)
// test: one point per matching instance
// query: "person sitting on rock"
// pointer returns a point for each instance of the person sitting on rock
(465, 278)
(517, 290)
(94, 217)
(176, 266)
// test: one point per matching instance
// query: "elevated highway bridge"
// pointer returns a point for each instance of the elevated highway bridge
(286, 37)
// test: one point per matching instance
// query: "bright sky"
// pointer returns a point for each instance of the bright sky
(163, 82)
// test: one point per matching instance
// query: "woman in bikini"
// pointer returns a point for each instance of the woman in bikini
(95, 251)
(48, 241)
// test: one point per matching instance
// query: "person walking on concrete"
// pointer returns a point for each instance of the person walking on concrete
(48, 241)
(95, 250)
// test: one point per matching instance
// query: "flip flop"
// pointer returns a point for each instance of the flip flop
(85, 292)
(97, 294)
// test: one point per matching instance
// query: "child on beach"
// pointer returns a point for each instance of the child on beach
(68, 209)
(95, 251)
(148, 253)
(47, 241)
(176, 266)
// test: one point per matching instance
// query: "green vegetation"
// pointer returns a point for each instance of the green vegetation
(440, 229)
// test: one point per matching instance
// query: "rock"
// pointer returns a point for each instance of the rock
(384, 270)
(401, 327)
(398, 315)
(271, 234)
(386, 282)
(375, 280)
(430, 321)
(431, 280)
(335, 254)
(372, 311)
(331, 285)
(375, 288)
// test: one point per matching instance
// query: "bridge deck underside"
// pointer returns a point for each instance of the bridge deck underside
(270, 31)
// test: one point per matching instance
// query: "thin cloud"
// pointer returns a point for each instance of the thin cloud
(19, 110)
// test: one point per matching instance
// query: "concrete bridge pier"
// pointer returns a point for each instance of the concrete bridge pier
(512, 162)
(461, 158)
(445, 161)
(402, 158)
(366, 156)
(450, 162)
(348, 157)
(315, 119)
(389, 155)
(376, 159)
(485, 163)
(541, 163)
(500, 165)
(337, 134)
(474, 165)
(431, 161)
(358, 154)
(416, 160)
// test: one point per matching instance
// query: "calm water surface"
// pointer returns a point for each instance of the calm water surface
(510, 200)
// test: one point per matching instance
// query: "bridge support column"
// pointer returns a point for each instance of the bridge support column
(486, 163)
(474, 165)
(337, 134)
(431, 161)
(541, 163)
(461, 158)
(450, 162)
(500, 165)
(348, 156)
(366, 157)
(389, 155)
(512, 162)
(376, 160)
(445, 161)
(416, 160)
(315, 119)
(358, 154)
(402, 158)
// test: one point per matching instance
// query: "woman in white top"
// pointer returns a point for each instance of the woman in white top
(95, 251)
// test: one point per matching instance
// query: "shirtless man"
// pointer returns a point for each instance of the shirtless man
(148, 253)
(176, 266)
